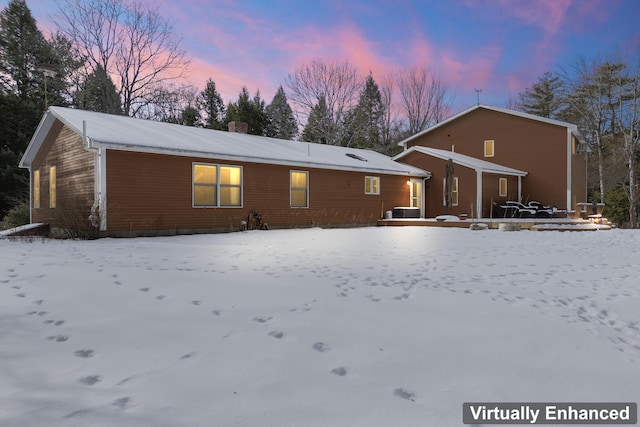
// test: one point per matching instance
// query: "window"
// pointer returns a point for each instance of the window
(52, 187)
(36, 189)
(230, 186)
(503, 187)
(454, 192)
(217, 185)
(488, 148)
(371, 185)
(299, 189)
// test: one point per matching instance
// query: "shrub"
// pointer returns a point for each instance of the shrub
(18, 215)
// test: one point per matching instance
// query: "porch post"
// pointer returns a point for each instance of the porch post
(479, 193)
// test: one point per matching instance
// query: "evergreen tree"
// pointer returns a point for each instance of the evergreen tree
(213, 106)
(21, 50)
(319, 124)
(250, 111)
(544, 98)
(281, 122)
(99, 93)
(364, 122)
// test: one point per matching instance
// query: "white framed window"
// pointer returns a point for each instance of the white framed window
(217, 185)
(454, 192)
(502, 186)
(52, 187)
(371, 185)
(36, 188)
(489, 147)
(299, 189)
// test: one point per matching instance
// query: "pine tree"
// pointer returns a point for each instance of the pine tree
(22, 48)
(250, 111)
(211, 103)
(544, 98)
(99, 93)
(319, 124)
(281, 122)
(364, 122)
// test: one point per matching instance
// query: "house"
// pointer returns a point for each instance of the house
(498, 155)
(124, 176)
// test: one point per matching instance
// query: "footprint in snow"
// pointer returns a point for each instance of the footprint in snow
(261, 319)
(404, 394)
(58, 338)
(320, 347)
(90, 380)
(84, 353)
(276, 334)
(122, 403)
(144, 289)
(341, 371)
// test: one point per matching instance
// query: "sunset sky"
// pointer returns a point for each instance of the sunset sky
(499, 46)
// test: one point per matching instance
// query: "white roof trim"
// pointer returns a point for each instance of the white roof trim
(463, 160)
(574, 129)
(130, 134)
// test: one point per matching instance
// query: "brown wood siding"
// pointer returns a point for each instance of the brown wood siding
(467, 187)
(491, 191)
(74, 179)
(154, 192)
(531, 146)
(579, 179)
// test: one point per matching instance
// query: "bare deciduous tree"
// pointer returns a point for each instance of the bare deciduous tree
(424, 97)
(338, 83)
(129, 40)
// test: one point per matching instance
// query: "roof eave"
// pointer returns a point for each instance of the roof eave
(258, 159)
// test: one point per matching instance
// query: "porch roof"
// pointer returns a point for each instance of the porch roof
(463, 160)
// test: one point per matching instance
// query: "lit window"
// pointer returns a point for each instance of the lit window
(454, 192)
(488, 148)
(217, 185)
(503, 187)
(299, 189)
(230, 186)
(52, 187)
(371, 185)
(36, 189)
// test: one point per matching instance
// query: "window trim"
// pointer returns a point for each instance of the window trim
(217, 186)
(372, 189)
(489, 148)
(52, 187)
(502, 181)
(36, 189)
(291, 188)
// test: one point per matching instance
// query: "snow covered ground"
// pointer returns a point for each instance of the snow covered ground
(360, 327)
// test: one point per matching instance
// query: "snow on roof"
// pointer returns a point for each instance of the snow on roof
(127, 133)
(463, 160)
(574, 129)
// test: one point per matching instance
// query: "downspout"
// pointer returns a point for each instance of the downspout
(97, 215)
(569, 154)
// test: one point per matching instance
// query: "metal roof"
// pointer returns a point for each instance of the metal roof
(131, 134)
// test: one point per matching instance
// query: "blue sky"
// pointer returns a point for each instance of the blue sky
(499, 46)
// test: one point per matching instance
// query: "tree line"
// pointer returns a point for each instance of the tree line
(122, 57)
(602, 97)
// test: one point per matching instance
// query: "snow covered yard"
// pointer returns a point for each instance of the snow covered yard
(359, 327)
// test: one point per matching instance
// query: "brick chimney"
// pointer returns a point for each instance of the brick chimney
(239, 127)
